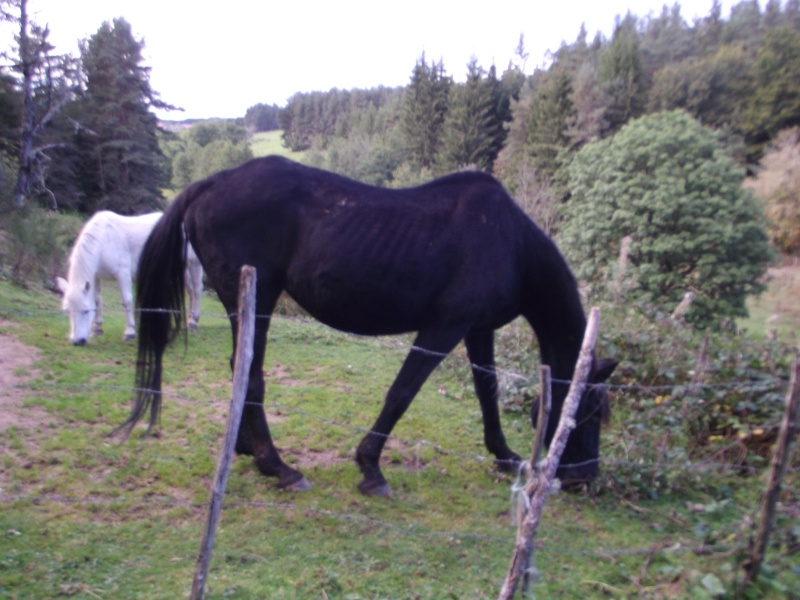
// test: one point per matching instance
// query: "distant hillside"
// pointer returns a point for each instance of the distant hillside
(270, 142)
(178, 126)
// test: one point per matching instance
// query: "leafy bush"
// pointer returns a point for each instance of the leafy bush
(688, 402)
(35, 244)
(669, 184)
(684, 402)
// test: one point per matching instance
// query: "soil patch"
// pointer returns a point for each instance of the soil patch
(16, 370)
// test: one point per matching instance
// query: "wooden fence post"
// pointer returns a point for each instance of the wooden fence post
(241, 375)
(538, 487)
(777, 469)
(523, 555)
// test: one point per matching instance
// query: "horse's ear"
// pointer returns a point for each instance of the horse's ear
(603, 369)
(61, 285)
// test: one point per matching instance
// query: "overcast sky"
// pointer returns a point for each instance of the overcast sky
(217, 59)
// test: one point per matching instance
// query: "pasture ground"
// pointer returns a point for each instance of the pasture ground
(777, 310)
(265, 143)
(86, 516)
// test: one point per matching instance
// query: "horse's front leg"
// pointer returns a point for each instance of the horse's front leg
(126, 293)
(98, 315)
(480, 349)
(428, 351)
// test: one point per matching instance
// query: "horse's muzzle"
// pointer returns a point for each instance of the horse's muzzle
(80, 342)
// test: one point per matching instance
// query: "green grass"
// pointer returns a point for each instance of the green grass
(98, 518)
(265, 143)
(778, 308)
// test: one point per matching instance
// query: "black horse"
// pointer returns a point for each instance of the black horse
(451, 260)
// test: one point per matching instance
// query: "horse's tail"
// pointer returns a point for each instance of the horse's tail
(160, 305)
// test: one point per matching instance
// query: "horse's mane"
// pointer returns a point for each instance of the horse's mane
(82, 261)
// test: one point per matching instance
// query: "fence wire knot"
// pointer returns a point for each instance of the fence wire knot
(520, 498)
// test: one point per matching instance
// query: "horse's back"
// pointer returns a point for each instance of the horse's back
(363, 258)
(123, 238)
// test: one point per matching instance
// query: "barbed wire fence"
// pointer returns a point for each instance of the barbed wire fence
(737, 545)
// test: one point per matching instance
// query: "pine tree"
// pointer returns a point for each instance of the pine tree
(551, 109)
(424, 111)
(622, 73)
(124, 168)
(470, 128)
(47, 84)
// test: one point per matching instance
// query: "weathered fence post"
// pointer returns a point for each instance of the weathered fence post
(523, 555)
(241, 375)
(538, 487)
(778, 467)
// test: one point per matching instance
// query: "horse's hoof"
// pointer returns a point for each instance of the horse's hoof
(129, 336)
(98, 331)
(301, 485)
(507, 465)
(192, 326)
(375, 488)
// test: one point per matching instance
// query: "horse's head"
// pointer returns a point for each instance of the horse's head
(78, 301)
(580, 460)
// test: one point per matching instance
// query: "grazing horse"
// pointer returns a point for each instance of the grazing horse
(108, 247)
(450, 260)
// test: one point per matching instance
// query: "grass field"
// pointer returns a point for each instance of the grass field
(777, 310)
(85, 516)
(269, 142)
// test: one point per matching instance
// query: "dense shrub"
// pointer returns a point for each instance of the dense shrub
(683, 401)
(35, 244)
(671, 187)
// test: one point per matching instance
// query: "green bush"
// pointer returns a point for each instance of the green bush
(35, 245)
(670, 186)
(683, 401)
(688, 401)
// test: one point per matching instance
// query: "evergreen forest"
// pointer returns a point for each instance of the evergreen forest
(662, 158)
(79, 134)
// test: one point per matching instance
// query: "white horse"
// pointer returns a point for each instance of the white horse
(108, 247)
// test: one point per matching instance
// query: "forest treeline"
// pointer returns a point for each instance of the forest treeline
(615, 142)
(79, 133)
(76, 149)
(740, 75)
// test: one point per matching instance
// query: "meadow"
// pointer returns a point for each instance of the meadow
(264, 143)
(89, 516)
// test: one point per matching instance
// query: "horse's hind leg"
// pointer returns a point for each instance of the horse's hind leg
(126, 293)
(254, 436)
(428, 351)
(480, 349)
(194, 285)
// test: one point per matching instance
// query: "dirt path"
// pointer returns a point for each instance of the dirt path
(16, 369)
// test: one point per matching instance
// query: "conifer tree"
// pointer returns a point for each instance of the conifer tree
(46, 82)
(550, 112)
(123, 167)
(424, 111)
(470, 128)
(622, 74)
